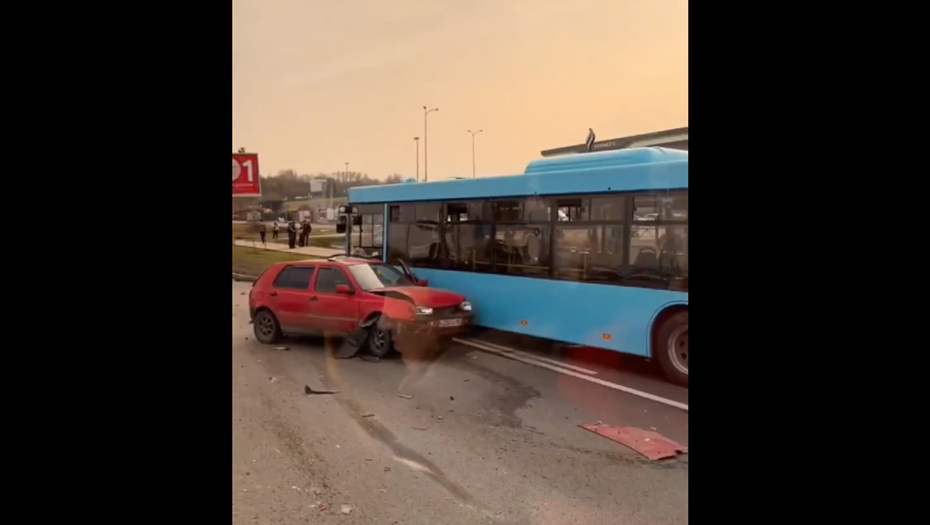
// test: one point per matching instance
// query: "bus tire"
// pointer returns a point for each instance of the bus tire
(671, 347)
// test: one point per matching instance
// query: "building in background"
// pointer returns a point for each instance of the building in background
(672, 138)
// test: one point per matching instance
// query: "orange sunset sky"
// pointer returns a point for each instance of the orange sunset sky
(319, 83)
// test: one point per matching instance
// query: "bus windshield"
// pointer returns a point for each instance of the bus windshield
(378, 276)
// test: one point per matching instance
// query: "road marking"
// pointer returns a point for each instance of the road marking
(561, 370)
(533, 357)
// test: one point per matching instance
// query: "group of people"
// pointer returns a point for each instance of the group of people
(297, 234)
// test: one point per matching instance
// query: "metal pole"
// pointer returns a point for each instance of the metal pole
(426, 112)
(425, 161)
(473, 133)
(417, 140)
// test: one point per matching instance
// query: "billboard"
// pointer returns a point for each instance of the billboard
(316, 186)
(246, 182)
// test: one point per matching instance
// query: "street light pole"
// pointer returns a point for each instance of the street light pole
(346, 176)
(417, 140)
(426, 112)
(473, 133)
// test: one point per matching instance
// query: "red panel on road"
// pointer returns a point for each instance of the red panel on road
(650, 444)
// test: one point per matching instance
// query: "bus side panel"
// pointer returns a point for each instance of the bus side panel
(611, 317)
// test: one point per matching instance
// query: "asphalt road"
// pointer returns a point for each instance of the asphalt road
(484, 439)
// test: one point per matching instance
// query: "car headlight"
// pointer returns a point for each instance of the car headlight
(465, 306)
(424, 310)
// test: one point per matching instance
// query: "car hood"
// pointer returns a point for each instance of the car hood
(430, 297)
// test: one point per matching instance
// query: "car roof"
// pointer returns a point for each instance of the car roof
(338, 259)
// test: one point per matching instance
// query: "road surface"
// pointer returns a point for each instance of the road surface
(484, 439)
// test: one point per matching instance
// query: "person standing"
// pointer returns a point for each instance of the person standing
(291, 234)
(305, 232)
(274, 230)
(262, 231)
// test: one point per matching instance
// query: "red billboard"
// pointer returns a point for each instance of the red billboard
(245, 175)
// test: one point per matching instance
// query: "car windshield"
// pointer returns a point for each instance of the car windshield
(377, 276)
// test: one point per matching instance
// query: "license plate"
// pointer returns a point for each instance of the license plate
(444, 323)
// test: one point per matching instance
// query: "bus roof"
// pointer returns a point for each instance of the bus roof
(609, 171)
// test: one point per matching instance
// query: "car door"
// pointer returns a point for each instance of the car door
(290, 299)
(337, 311)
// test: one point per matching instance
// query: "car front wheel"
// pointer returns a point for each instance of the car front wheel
(380, 340)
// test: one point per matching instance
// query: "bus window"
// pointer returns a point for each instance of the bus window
(413, 234)
(659, 241)
(536, 209)
(608, 208)
(573, 209)
(522, 249)
(397, 242)
(521, 240)
(467, 237)
(589, 253)
(663, 205)
(423, 239)
(589, 239)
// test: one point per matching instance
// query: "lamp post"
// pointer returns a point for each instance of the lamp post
(417, 140)
(473, 133)
(426, 113)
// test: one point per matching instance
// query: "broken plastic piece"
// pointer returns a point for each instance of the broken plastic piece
(354, 341)
(310, 391)
(650, 444)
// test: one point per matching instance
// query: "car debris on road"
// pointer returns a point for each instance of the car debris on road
(309, 391)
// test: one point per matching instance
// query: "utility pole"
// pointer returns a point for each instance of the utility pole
(473, 133)
(426, 113)
(417, 140)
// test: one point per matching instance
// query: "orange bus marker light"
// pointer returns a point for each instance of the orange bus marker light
(523, 322)
(607, 337)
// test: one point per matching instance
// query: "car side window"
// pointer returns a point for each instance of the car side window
(328, 278)
(294, 278)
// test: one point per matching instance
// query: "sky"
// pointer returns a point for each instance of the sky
(319, 83)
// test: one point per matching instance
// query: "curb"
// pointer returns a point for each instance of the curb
(244, 278)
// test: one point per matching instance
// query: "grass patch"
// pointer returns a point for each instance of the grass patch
(253, 261)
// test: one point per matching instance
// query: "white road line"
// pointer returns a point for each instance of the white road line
(533, 357)
(561, 370)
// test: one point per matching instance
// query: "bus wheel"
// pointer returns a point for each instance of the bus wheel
(671, 348)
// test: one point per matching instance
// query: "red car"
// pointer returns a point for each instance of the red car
(341, 294)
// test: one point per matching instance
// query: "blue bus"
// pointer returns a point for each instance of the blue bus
(588, 249)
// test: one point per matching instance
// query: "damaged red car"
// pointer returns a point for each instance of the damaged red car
(343, 294)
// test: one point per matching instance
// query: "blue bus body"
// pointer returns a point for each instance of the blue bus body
(611, 316)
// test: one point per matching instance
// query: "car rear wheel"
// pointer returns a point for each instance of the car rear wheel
(380, 340)
(671, 348)
(266, 327)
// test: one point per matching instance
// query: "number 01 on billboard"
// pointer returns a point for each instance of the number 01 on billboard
(246, 180)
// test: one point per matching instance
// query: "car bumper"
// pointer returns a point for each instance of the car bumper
(448, 325)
